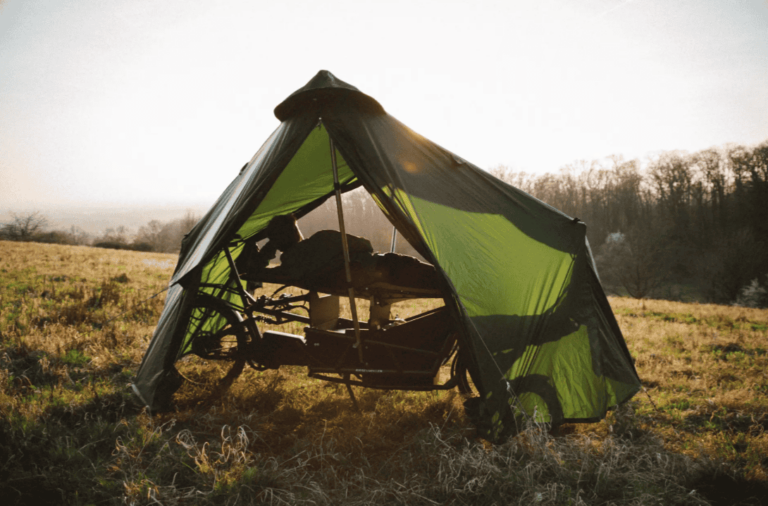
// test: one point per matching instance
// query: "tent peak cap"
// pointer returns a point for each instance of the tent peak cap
(325, 91)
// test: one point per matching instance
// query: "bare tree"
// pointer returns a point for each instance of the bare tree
(23, 227)
(151, 234)
(633, 260)
(730, 264)
(166, 237)
(117, 235)
(78, 236)
(672, 179)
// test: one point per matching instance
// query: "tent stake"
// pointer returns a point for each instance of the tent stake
(394, 239)
(345, 247)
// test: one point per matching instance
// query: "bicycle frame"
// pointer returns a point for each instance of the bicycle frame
(392, 360)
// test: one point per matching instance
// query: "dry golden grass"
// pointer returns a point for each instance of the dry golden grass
(69, 434)
(705, 368)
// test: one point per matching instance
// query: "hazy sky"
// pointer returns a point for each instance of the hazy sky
(147, 102)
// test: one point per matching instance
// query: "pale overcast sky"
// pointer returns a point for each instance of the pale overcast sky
(148, 102)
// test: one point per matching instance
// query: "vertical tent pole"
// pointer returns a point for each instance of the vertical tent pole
(394, 240)
(345, 247)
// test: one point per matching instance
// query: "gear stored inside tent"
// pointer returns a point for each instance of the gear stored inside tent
(523, 303)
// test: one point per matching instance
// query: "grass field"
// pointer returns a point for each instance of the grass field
(73, 328)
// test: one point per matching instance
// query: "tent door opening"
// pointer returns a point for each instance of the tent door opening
(332, 269)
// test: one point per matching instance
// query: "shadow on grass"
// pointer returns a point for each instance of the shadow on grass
(59, 457)
(723, 489)
(109, 408)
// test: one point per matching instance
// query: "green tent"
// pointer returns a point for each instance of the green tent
(520, 278)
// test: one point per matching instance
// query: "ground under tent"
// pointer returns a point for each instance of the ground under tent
(525, 316)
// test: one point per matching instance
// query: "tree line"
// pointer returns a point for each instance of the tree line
(685, 226)
(154, 236)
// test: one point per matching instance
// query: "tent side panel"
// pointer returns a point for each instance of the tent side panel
(305, 179)
(153, 372)
(205, 241)
(516, 265)
(236, 205)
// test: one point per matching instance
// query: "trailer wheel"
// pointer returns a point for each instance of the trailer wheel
(219, 340)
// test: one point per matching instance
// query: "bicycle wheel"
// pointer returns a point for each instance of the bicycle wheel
(219, 340)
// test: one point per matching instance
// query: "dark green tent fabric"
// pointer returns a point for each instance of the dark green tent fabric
(541, 337)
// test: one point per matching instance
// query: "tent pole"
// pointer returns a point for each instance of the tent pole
(345, 247)
(394, 239)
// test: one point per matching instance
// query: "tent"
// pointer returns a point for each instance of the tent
(520, 280)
